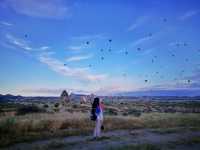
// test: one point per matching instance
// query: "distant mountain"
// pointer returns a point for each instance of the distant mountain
(131, 95)
(19, 98)
(9, 97)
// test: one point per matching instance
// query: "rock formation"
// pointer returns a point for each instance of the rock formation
(64, 98)
(83, 100)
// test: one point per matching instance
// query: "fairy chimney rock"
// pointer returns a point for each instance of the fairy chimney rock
(64, 98)
(83, 100)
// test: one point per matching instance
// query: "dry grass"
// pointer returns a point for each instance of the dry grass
(153, 120)
(46, 122)
(170, 120)
(34, 126)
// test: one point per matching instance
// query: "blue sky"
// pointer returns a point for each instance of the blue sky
(50, 45)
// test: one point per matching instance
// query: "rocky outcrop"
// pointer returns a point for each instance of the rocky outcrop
(64, 98)
(83, 100)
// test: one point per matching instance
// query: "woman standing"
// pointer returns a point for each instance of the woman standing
(97, 116)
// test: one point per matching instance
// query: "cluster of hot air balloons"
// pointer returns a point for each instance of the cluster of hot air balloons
(139, 49)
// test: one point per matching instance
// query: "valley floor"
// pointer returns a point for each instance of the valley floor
(140, 139)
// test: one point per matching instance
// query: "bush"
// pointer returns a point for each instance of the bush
(7, 126)
(1, 110)
(46, 106)
(137, 147)
(56, 105)
(29, 109)
(125, 114)
(134, 112)
(74, 106)
(112, 112)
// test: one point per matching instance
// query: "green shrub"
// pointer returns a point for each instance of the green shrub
(45, 105)
(7, 126)
(111, 112)
(74, 106)
(56, 105)
(137, 147)
(134, 112)
(29, 109)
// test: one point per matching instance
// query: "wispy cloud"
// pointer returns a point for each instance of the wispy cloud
(18, 43)
(44, 48)
(47, 53)
(188, 15)
(83, 39)
(75, 48)
(181, 83)
(87, 41)
(79, 57)
(39, 8)
(141, 40)
(55, 64)
(90, 37)
(78, 73)
(104, 87)
(4, 23)
(195, 76)
(117, 84)
(14, 42)
(147, 51)
(51, 91)
(138, 22)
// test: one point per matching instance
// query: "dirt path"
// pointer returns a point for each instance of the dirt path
(113, 139)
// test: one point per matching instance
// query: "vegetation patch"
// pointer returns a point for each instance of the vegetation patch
(29, 109)
(136, 147)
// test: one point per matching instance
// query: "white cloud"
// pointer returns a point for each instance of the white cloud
(51, 91)
(47, 53)
(6, 23)
(7, 45)
(18, 43)
(141, 41)
(78, 73)
(188, 15)
(90, 37)
(44, 48)
(147, 51)
(39, 8)
(79, 57)
(75, 48)
(138, 22)
(54, 64)
(117, 84)
(87, 41)
(148, 38)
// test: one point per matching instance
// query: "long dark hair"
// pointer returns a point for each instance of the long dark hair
(95, 104)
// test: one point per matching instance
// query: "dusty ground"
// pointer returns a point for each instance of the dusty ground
(117, 139)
